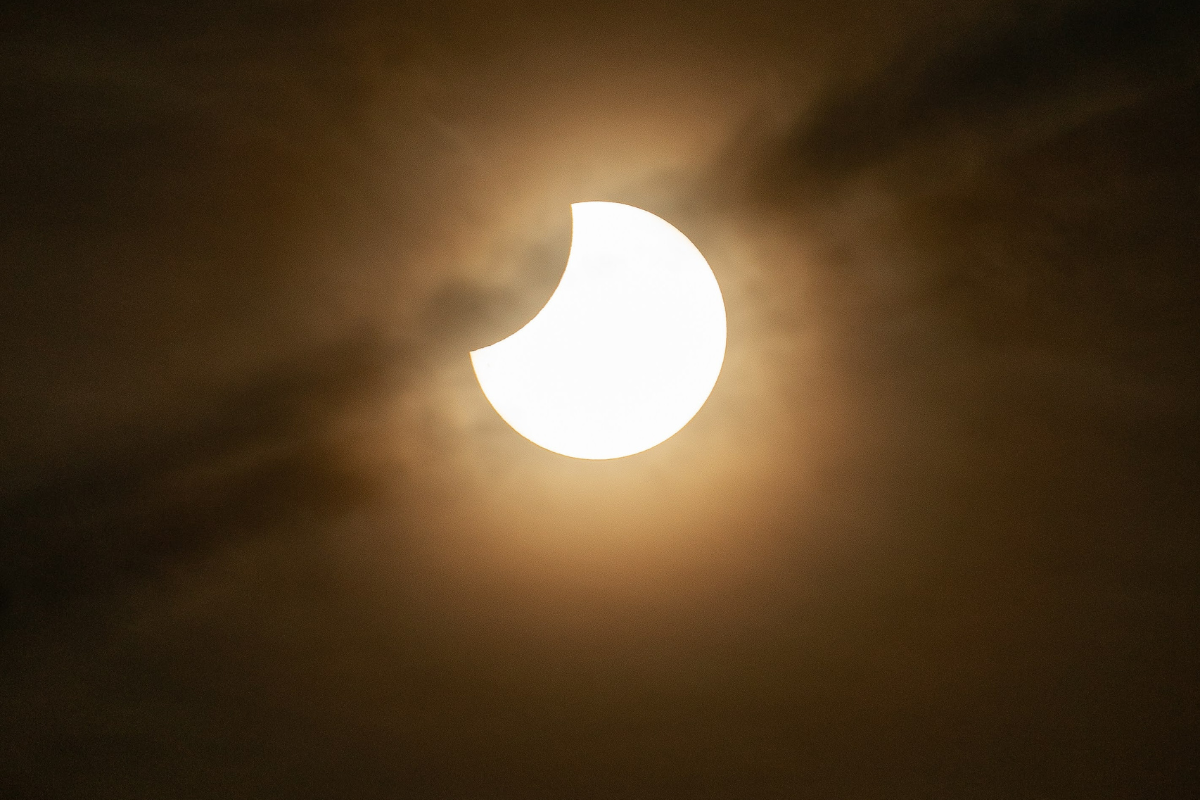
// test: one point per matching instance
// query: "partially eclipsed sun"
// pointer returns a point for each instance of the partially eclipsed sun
(626, 350)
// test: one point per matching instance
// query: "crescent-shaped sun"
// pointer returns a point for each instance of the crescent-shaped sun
(627, 349)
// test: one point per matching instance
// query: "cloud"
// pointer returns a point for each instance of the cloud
(268, 455)
(261, 534)
(1020, 77)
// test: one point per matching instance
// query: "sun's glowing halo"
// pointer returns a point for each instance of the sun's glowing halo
(626, 350)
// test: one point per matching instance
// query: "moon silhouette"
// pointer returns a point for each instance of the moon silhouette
(627, 349)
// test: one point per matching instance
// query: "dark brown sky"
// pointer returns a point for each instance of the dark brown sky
(934, 535)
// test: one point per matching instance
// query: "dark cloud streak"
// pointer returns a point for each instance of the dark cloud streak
(993, 87)
(269, 454)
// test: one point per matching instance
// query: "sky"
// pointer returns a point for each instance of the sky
(936, 532)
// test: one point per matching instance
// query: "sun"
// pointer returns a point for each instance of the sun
(627, 349)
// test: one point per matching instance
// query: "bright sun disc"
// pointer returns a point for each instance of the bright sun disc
(626, 350)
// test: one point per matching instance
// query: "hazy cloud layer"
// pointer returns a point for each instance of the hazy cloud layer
(933, 534)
